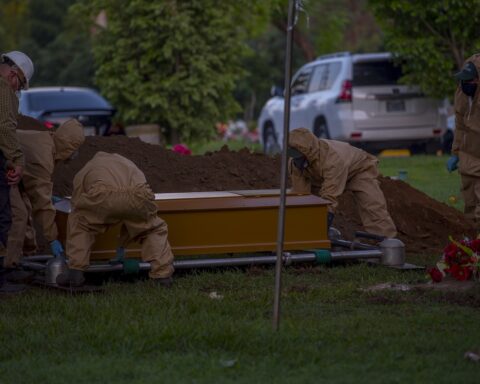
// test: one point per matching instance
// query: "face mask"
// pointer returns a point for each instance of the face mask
(300, 162)
(469, 89)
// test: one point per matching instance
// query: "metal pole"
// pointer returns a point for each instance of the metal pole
(283, 180)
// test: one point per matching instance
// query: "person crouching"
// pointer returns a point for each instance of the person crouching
(111, 190)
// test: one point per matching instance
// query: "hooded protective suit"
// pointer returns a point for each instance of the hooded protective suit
(466, 145)
(42, 150)
(335, 167)
(111, 190)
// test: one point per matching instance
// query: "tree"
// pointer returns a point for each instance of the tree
(57, 44)
(432, 38)
(325, 26)
(173, 62)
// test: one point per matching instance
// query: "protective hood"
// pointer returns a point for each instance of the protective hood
(68, 138)
(306, 142)
(460, 98)
(475, 59)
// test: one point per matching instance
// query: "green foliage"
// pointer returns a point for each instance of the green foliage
(433, 37)
(57, 44)
(171, 62)
(13, 28)
(325, 26)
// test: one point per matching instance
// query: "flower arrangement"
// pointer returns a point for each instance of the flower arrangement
(461, 260)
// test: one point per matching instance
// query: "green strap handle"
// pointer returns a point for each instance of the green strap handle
(130, 266)
(322, 256)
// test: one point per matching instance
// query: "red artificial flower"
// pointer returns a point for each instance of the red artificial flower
(450, 250)
(460, 273)
(435, 274)
(475, 245)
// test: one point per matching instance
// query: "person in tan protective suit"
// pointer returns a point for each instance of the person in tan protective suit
(328, 168)
(107, 191)
(466, 141)
(33, 197)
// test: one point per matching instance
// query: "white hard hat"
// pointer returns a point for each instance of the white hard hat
(23, 62)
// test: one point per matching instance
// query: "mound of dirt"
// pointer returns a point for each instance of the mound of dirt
(168, 171)
(423, 223)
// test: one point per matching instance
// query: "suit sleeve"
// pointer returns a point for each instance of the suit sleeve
(39, 187)
(9, 144)
(300, 183)
(334, 182)
(459, 135)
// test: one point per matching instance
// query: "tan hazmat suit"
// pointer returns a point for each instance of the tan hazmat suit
(42, 150)
(466, 145)
(335, 167)
(111, 190)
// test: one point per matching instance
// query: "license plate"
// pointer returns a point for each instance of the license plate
(396, 106)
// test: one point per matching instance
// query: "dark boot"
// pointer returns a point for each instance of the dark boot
(165, 282)
(71, 278)
(6, 287)
(17, 275)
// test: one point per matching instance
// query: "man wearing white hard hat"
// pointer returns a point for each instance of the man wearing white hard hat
(16, 71)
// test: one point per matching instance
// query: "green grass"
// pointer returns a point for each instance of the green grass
(331, 332)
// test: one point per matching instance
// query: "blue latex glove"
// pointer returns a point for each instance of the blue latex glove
(56, 248)
(120, 255)
(330, 217)
(56, 199)
(452, 163)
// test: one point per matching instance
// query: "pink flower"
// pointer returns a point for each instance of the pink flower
(181, 149)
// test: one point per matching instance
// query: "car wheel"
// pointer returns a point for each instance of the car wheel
(320, 128)
(270, 143)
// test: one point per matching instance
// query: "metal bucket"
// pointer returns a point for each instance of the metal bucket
(53, 268)
(393, 252)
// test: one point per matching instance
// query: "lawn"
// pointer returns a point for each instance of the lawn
(331, 331)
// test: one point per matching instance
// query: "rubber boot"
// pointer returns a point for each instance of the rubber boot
(165, 282)
(71, 278)
(17, 275)
(6, 287)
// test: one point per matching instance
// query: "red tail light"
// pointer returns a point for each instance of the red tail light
(346, 92)
(48, 125)
(356, 135)
(437, 131)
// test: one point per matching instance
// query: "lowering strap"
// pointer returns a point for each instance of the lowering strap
(130, 266)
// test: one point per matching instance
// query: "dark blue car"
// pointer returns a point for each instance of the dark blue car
(54, 105)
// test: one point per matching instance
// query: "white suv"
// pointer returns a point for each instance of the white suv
(355, 98)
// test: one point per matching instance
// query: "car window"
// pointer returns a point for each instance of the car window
(44, 101)
(300, 84)
(376, 73)
(324, 75)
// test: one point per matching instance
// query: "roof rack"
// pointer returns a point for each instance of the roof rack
(333, 55)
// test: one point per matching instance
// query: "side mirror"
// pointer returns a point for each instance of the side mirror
(276, 91)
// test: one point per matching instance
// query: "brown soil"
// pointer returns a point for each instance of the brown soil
(423, 223)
